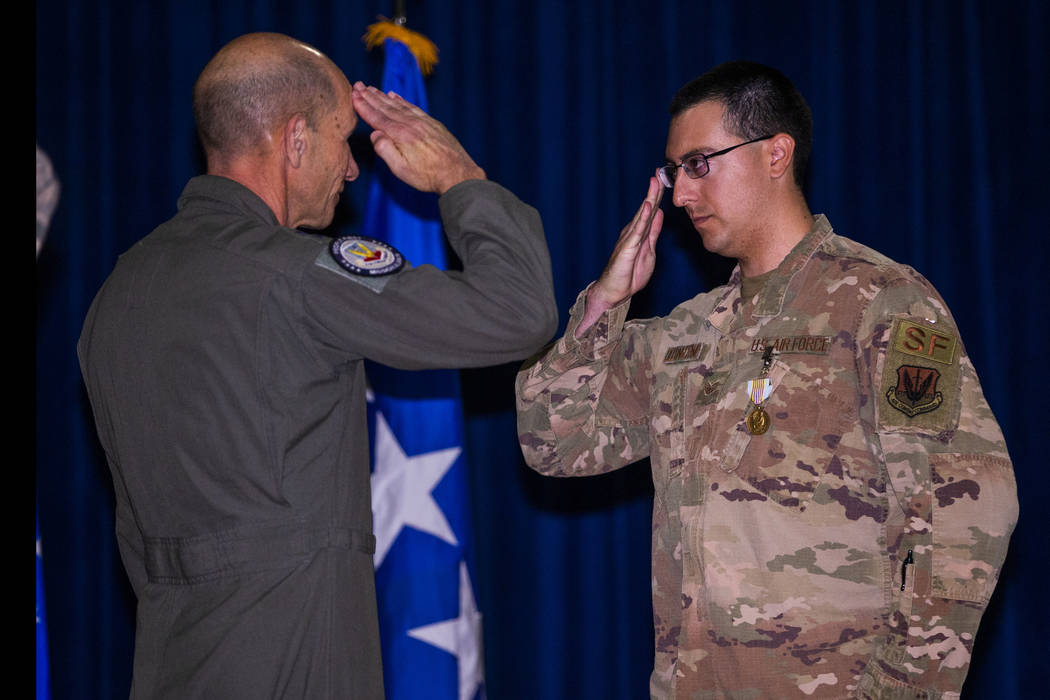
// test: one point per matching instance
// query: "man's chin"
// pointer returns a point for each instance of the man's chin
(713, 243)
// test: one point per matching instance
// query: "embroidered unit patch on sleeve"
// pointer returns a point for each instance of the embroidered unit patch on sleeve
(366, 256)
(914, 394)
(379, 256)
(916, 390)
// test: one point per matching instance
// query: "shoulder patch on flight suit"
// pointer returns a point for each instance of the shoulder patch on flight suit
(367, 261)
(919, 387)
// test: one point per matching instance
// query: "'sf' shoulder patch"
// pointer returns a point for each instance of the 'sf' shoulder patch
(367, 261)
(927, 343)
(919, 387)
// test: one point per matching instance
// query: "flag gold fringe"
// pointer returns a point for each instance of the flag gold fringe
(422, 48)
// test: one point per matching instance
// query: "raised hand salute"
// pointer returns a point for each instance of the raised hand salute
(632, 261)
(418, 148)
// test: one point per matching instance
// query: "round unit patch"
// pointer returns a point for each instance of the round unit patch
(362, 255)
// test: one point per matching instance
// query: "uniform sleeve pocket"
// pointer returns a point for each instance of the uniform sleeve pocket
(974, 512)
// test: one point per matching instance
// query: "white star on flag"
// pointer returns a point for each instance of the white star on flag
(460, 637)
(402, 485)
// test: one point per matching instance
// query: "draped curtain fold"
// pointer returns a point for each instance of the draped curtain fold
(928, 115)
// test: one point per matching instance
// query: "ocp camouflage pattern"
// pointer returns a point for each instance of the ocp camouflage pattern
(778, 560)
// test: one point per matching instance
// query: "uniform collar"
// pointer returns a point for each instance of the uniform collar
(223, 193)
(770, 301)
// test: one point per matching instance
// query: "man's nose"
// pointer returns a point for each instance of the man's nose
(685, 187)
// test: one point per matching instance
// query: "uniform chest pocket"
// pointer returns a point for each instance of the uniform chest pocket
(787, 462)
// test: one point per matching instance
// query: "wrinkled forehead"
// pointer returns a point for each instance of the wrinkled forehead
(344, 108)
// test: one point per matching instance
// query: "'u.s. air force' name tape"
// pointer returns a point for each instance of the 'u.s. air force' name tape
(806, 344)
(364, 260)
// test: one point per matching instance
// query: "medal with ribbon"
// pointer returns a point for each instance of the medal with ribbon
(759, 389)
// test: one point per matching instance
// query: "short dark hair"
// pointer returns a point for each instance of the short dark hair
(235, 106)
(758, 100)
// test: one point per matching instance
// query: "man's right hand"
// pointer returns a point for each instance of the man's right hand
(632, 261)
(419, 149)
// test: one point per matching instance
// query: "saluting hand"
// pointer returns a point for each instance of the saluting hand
(419, 150)
(632, 261)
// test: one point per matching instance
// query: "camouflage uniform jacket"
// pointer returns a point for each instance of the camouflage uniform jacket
(849, 550)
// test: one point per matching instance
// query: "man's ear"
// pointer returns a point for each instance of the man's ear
(781, 154)
(293, 139)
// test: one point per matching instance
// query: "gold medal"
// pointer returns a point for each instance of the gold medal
(759, 390)
(757, 421)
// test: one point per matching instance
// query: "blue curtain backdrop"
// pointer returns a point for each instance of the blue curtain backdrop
(931, 120)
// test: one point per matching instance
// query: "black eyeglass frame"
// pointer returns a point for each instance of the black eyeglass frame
(669, 171)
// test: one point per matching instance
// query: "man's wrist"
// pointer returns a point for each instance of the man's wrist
(597, 296)
(474, 173)
(594, 305)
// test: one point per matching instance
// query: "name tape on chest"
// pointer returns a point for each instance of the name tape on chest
(685, 353)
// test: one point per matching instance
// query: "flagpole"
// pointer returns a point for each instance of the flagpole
(430, 624)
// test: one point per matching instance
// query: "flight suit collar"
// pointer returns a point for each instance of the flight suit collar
(224, 193)
(770, 301)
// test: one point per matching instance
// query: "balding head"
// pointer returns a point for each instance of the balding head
(255, 84)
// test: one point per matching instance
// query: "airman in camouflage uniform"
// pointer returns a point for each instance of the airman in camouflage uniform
(834, 497)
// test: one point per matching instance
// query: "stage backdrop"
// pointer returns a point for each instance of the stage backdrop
(931, 124)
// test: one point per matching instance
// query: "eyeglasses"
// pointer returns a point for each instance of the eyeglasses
(696, 165)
